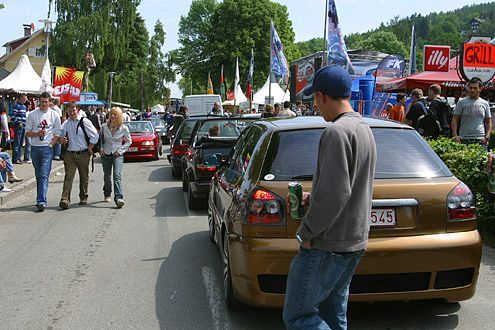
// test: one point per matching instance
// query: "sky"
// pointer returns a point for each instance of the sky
(307, 16)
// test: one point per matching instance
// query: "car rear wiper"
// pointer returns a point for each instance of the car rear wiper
(307, 177)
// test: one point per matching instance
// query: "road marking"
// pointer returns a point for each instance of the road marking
(219, 314)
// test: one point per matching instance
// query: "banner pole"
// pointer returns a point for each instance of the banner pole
(270, 75)
(325, 40)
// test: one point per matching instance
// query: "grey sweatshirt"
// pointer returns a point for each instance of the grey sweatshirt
(338, 218)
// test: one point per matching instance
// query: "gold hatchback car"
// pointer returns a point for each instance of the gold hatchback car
(423, 240)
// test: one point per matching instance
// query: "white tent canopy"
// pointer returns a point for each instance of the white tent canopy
(46, 77)
(278, 94)
(158, 109)
(240, 97)
(23, 79)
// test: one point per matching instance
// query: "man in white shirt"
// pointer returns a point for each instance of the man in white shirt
(287, 112)
(43, 127)
(79, 136)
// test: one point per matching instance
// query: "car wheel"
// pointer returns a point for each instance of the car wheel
(184, 181)
(211, 226)
(175, 173)
(193, 202)
(228, 291)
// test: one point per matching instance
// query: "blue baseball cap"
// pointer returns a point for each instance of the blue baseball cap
(331, 80)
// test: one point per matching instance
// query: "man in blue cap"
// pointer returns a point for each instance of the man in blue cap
(334, 232)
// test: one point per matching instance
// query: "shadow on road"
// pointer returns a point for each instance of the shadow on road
(181, 301)
(162, 174)
(170, 202)
(488, 257)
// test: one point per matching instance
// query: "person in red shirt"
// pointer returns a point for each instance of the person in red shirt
(397, 111)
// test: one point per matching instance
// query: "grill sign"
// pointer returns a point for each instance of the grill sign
(478, 60)
(436, 58)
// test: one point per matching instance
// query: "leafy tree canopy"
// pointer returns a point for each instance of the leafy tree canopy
(215, 34)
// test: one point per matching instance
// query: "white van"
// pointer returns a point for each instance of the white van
(200, 105)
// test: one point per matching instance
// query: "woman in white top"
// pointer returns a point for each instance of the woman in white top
(4, 126)
(115, 141)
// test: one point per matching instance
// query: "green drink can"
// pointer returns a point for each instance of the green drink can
(295, 198)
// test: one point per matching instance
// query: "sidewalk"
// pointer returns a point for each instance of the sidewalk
(26, 171)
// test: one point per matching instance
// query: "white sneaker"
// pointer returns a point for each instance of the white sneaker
(120, 203)
(108, 199)
(5, 189)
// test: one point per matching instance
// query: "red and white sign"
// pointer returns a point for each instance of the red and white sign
(436, 58)
(477, 60)
(67, 84)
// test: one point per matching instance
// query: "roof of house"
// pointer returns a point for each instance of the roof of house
(5, 57)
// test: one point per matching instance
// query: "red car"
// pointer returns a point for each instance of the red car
(146, 143)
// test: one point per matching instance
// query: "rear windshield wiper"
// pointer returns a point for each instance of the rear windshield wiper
(307, 177)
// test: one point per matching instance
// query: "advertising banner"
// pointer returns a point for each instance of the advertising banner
(337, 50)
(279, 65)
(67, 84)
(436, 58)
(305, 70)
(390, 67)
(477, 60)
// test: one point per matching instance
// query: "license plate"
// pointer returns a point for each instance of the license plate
(383, 217)
(132, 149)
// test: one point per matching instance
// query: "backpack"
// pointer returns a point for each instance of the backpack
(428, 124)
(97, 146)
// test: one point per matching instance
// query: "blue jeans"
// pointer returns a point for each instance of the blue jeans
(42, 162)
(27, 149)
(117, 163)
(318, 289)
(9, 168)
(19, 132)
(57, 150)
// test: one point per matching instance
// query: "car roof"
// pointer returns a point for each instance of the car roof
(138, 121)
(286, 123)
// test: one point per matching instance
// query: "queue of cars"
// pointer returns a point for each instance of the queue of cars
(423, 239)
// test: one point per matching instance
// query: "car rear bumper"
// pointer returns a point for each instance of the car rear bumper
(441, 266)
(140, 155)
(200, 189)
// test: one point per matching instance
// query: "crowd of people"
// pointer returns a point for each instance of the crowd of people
(74, 137)
(468, 122)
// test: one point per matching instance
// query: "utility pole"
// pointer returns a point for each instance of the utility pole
(109, 98)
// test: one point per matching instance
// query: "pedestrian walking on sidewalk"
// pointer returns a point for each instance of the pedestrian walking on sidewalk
(7, 172)
(334, 232)
(78, 154)
(18, 120)
(116, 140)
(43, 127)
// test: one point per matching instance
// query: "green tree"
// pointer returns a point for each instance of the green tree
(2, 6)
(215, 34)
(309, 47)
(385, 42)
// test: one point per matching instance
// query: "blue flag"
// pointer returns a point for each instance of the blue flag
(337, 50)
(279, 65)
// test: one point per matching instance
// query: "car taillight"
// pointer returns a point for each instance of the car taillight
(264, 208)
(206, 168)
(179, 149)
(461, 204)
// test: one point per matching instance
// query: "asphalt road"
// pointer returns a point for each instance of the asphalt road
(150, 265)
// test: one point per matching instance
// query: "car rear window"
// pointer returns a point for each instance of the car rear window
(139, 127)
(224, 128)
(400, 154)
(187, 128)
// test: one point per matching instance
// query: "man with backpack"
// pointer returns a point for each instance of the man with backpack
(80, 137)
(421, 117)
(440, 109)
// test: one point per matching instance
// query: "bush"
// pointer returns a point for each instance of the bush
(468, 164)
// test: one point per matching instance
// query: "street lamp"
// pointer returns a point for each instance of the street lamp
(47, 30)
(109, 98)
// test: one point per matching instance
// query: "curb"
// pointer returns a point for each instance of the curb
(26, 185)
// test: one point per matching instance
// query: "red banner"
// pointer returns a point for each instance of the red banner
(436, 58)
(67, 84)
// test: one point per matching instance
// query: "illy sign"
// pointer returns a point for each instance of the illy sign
(477, 60)
(436, 58)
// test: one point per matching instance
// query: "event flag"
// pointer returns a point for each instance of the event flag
(67, 84)
(337, 50)
(222, 85)
(390, 67)
(279, 65)
(249, 91)
(237, 78)
(412, 58)
(210, 85)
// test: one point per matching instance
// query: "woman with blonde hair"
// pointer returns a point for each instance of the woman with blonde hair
(115, 141)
